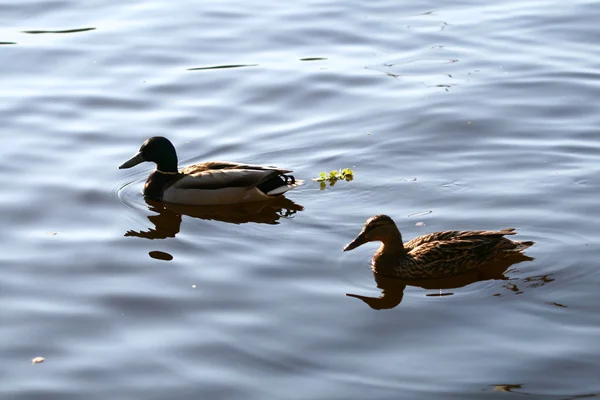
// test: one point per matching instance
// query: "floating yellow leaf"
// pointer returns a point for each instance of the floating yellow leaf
(332, 177)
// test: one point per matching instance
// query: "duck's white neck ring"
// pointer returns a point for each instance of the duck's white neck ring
(166, 173)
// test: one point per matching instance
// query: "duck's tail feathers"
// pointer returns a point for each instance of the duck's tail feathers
(285, 187)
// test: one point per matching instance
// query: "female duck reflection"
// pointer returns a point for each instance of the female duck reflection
(392, 289)
(167, 221)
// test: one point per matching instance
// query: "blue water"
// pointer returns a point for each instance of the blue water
(454, 114)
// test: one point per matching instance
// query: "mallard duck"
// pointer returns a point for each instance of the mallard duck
(437, 255)
(208, 183)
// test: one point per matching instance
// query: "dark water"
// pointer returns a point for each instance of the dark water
(457, 114)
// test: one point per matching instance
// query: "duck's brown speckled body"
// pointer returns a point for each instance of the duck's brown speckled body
(436, 255)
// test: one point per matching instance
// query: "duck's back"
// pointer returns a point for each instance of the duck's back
(454, 235)
(215, 166)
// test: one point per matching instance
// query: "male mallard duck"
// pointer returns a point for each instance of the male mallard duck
(209, 183)
(436, 255)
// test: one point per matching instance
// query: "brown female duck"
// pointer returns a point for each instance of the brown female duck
(436, 255)
(208, 183)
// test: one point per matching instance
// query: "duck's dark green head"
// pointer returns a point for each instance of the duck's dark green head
(157, 149)
(377, 228)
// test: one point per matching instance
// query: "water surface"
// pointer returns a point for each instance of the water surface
(453, 115)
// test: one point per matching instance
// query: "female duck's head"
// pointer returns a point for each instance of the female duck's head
(379, 228)
(157, 149)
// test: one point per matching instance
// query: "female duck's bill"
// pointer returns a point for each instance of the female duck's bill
(208, 183)
(376, 228)
(358, 241)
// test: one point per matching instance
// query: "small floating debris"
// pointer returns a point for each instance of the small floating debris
(453, 183)
(37, 360)
(160, 255)
(506, 388)
(552, 303)
(193, 286)
(332, 177)
(1, 43)
(51, 233)
(420, 213)
(222, 67)
(313, 59)
(439, 294)
(420, 224)
(62, 31)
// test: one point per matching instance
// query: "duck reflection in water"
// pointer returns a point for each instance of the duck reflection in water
(392, 289)
(167, 222)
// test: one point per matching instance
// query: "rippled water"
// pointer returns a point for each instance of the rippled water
(456, 114)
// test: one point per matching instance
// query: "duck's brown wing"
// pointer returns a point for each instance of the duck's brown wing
(220, 179)
(227, 165)
(432, 237)
(452, 235)
(222, 174)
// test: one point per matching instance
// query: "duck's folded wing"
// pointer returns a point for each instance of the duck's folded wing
(453, 235)
(201, 168)
(212, 179)
(432, 237)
